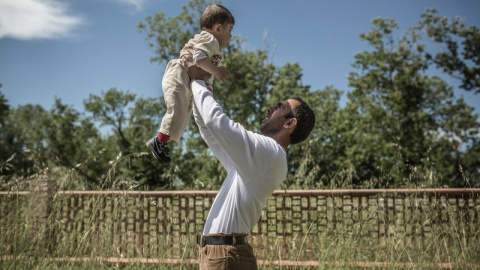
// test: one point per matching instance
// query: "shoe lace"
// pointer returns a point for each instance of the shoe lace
(163, 147)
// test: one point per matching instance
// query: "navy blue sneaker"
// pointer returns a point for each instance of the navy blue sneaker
(159, 150)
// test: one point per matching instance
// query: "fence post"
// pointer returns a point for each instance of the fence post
(42, 193)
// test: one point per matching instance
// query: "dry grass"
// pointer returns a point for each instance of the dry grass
(417, 239)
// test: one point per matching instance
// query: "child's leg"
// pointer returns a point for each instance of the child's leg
(178, 99)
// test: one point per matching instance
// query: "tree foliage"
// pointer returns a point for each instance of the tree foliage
(460, 56)
(401, 127)
(404, 116)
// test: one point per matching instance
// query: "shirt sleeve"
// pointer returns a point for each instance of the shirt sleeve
(210, 140)
(207, 43)
(248, 152)
(198, 55)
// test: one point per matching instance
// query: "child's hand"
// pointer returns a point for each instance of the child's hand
(222, 74)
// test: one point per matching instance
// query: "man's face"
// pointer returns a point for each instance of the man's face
(277, 115)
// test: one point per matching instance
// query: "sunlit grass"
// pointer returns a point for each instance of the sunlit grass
(91, 232)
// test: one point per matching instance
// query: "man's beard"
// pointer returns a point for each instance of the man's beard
(268, 129)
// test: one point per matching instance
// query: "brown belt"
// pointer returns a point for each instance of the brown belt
(221, 240)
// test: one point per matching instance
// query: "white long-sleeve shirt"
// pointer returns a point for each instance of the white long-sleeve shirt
(256, 166)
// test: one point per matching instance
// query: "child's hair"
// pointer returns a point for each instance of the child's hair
(215, 14)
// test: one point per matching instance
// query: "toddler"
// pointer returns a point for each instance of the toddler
(200, 56)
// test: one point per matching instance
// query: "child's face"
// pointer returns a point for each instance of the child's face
(223, 33)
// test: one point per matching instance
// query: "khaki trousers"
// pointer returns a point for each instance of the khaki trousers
(178, 99)
(227, 257)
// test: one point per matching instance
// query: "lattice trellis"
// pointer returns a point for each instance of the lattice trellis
(295, 225)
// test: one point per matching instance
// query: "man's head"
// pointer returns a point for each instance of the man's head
(288, 122)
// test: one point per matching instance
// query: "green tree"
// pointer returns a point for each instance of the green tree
(3, 108)
(22, 136)
(110, 110)
(133, 120)
(254, 84)
(400, 115)
(70, 141)
(313, 165)
(4, 151)
(401, 127)
(460, 56)
(395, 131)
(53, 143)
(167, 36)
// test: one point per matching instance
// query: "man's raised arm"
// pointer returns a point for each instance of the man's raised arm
(240, 146)
(209, 139)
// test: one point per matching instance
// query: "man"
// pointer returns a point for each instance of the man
(256, 165)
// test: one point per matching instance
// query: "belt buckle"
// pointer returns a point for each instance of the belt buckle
(201, 240)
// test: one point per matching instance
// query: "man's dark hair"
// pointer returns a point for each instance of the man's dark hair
(215, 14)
(305, 122)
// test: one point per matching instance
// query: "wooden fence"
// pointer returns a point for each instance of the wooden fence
(296, 225)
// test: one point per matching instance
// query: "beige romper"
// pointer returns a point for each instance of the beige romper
(176, 83)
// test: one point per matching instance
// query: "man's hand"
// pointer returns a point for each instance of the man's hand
(194, 72)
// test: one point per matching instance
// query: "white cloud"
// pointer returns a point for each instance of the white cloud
(32, 19)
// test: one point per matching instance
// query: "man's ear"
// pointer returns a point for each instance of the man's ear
(290, 123)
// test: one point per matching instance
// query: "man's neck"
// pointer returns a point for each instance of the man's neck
(281, 140)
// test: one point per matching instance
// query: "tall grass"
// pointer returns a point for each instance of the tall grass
(83, 232)
(77, 235)
(417, 231)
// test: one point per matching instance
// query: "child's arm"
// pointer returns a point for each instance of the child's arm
(220, 72)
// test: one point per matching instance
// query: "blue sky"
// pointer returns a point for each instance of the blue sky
(71, 48)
